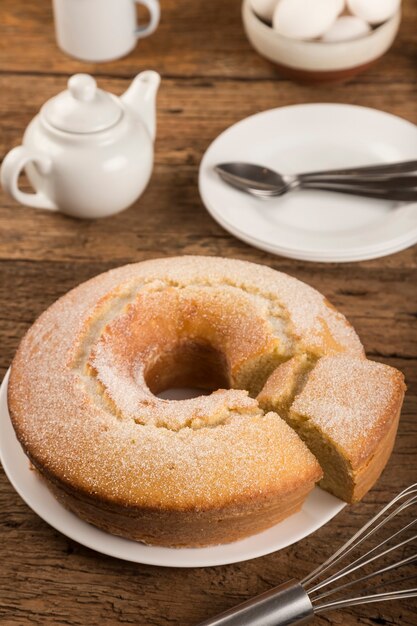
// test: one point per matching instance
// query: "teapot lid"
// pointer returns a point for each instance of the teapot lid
(82, 108)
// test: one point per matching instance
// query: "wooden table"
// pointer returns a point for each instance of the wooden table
(211, 79)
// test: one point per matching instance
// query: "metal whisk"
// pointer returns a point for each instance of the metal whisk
(297, 603)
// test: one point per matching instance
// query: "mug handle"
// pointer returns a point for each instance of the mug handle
(13, 164)
(155, 14)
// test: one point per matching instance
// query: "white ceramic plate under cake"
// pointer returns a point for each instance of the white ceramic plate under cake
(313, 225)
(318, 509)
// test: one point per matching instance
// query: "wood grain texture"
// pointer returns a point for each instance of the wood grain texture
(211, 79)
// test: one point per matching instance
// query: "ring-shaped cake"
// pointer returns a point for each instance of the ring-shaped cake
(288, 395)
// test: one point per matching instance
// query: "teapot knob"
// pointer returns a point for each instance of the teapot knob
(82, 87)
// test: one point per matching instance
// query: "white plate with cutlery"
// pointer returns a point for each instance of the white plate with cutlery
(313, 225)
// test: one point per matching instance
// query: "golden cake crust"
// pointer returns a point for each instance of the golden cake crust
(81, 401)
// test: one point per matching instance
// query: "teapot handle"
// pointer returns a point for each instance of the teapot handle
(154, 13)
(13, 164)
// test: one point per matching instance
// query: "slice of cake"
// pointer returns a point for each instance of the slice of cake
(346, 409)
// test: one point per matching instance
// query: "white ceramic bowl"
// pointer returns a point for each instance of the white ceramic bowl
(318, 60)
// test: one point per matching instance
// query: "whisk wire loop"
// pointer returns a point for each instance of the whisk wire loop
(379, 572)
(378, 597)
(399, 504)
(362, 558)
(295, 603)
(359, 537)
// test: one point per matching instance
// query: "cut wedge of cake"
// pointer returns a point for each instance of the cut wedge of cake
(346, 409)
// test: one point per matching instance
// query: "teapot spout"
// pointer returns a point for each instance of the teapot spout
(141, 97)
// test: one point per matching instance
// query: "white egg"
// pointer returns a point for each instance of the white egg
(345, 28)
(306, 19)
(374, 11)
(264, 8)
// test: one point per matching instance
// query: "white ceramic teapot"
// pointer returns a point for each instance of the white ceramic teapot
(87, 153)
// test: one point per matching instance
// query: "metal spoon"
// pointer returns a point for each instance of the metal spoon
(385, 181)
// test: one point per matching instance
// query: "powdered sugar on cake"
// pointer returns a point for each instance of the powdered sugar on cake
(101, 425)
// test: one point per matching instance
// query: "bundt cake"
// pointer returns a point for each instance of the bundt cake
(286, 393)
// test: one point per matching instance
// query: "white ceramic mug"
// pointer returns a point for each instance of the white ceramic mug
(101, 30)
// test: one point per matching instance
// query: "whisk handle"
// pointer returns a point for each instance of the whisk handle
(285, 605)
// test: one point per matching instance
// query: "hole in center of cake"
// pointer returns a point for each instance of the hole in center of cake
(187, 370)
